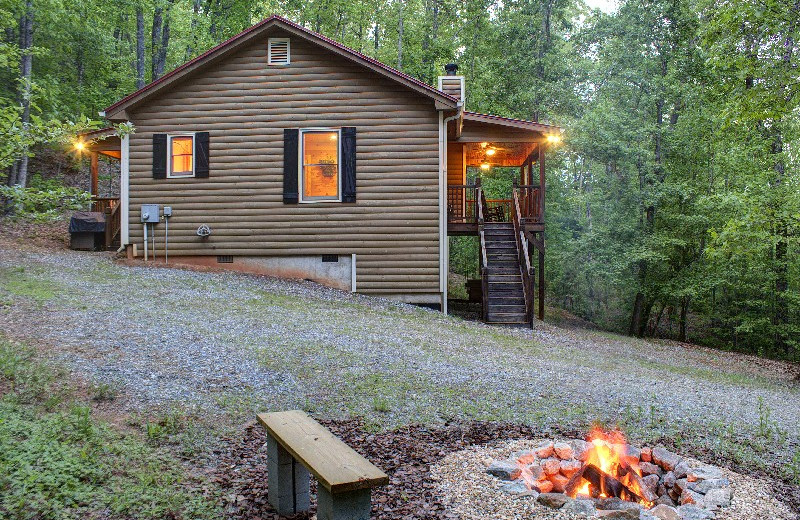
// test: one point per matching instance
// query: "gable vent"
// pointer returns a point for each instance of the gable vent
(278, 51)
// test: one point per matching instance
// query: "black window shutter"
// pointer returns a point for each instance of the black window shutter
(201, 155)
(348, 164)
(290, 165)
(159, 156)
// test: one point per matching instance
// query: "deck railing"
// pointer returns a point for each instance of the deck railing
(498, 210)
(530, 204)
(113, 224)
(528, 275)
(462, 203)
(100, 204)
(484, 258)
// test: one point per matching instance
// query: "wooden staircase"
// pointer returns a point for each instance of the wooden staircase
(506, 273)
(506, 292)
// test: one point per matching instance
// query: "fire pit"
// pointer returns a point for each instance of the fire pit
(602, 476)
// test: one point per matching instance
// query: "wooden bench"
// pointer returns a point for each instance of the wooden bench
(297, 445)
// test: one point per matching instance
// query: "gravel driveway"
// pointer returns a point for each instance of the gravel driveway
(223, 342)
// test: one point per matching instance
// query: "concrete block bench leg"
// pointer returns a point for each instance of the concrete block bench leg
(288, 480)
(349, 505)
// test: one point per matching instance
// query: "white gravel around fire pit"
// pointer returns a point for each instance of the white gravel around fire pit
(472, 493)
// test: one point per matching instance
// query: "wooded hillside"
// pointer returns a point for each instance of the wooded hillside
(674, 202)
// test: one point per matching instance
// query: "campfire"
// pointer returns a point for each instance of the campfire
(604, 472)
(610, 469)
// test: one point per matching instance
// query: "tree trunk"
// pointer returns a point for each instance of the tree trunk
(159, 40)
(139, 47)
(26, 66)
(400, 36)
(636, 316)
(682, 336)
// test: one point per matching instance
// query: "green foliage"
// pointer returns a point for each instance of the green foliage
(43, 200)
(62, 463)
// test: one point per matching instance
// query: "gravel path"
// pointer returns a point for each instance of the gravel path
(224, 342)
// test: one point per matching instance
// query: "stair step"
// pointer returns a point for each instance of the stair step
(505, 278)
(493, 269)
(504, 264)
(506, 300)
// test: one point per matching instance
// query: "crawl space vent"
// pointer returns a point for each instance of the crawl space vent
(330, 258)
(224, 259)
(278, 51)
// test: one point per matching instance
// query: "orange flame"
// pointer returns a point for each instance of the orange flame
(609, 452)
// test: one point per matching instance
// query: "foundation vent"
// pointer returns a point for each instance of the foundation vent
(330, 258)
(224, 259)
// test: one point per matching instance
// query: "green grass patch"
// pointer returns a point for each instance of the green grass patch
(19, 282)
(57, 461)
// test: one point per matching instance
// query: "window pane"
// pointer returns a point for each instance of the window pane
(320, 181)
(182, 146)
(181, 163)
(320, 164)
(182, 154)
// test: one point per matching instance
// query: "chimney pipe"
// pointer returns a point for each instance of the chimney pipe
(451, 69)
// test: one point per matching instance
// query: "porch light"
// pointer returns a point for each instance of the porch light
(485, 166)
(553, 138)
(491, 151)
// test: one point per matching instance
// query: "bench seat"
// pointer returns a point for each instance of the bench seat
(297, 445)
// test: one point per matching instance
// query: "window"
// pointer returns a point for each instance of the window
(320, 178)
(278, 51)
(181, 156)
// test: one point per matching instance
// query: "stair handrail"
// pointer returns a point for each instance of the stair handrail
(484, 257)
(523, 257)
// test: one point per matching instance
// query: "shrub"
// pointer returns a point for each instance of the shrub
(43, 200)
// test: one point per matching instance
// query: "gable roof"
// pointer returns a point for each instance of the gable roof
(223, 49)
(521, 124)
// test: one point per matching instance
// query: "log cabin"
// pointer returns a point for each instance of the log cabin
(283, 152)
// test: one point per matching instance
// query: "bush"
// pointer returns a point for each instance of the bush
(43, 200)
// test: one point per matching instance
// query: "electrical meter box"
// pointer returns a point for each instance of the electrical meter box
(151, 213)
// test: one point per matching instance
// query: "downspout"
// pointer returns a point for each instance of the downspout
(444, 245)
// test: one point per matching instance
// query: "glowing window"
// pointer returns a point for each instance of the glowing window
(181, 156)
(319, 173)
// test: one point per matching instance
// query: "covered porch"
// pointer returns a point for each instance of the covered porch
(107, 143)
(477, 145)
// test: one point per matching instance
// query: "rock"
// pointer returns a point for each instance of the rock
(691, 498)
(580, 507)
(543, 486)
(674, 493)
(580, 449)
(524, 457)
(662, 490)
(551, 466)
(666, 459)
(704, 486)
(614, 503)
(705, 472)
(649, 468)
(563, 450)
(504, 469)
(634, 453)
(545, 450)
(666, 500)
(627, 514)
(516, 487)
(695, 513)
(681, 484)
(646, 455)
(534, 471)
(681, 469)
(559, 482)
(651, 482)
(553, 500)
(668, 479)
(570, 467)
(717, 498)
(665, 512)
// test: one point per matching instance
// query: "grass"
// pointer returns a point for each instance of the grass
(17, 281)
(58, 461)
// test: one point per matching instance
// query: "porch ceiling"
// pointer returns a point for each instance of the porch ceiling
(497, 153)
(104, 141)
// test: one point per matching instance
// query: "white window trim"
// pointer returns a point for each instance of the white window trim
(288, 52)
(301, 164)
(169, 155)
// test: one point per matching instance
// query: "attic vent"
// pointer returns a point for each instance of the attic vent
(278, 51)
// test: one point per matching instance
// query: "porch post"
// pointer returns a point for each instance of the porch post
(541, 219)
(94, 168)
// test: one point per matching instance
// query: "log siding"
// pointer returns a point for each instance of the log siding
(245, 104)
